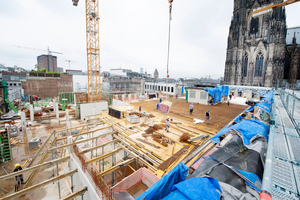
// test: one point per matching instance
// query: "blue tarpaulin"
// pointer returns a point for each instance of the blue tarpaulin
(263, 105)
(163, 186)
(268, 97)
(246, 128)
(218, 92)
(252, 177)
(196, 189)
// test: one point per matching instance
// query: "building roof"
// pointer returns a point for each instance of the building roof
(290, 33)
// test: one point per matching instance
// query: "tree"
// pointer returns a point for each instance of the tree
(43, 70)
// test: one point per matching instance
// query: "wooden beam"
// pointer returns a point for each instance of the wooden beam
(81, 141)
(43, 145)
(96, 147)
(84, 133)
(75, 194)
(33, 168)
(24, 191)
(32, 175)
(117, 166)
(197, 151)
(152, 168)
(103, 156)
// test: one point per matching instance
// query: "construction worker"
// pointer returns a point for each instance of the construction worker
(19, 178)
(207, 114)
(191, 108)
(167, 124)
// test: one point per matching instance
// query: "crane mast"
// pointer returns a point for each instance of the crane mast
(93, 49)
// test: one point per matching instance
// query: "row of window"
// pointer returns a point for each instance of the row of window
(203, 95)
(14, 84)
(258, 70)
(159, 88)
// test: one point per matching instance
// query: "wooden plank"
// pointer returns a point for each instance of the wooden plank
(84, 133)
(97, 147)
(81, 141)
(197, 151)
(170, 160)
(75, 194)
(103, 156)
(150, 167)
(43, 145)
(24, 191)
(33, 168)
(117, 166)
(148, 143)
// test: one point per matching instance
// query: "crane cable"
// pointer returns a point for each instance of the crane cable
(170, 18)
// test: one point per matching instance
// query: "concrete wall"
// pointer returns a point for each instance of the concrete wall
(48, 86)
(92, 108)
(116, 103)
(80, 181)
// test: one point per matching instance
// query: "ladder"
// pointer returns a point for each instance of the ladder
(11, 105)
(5, 153)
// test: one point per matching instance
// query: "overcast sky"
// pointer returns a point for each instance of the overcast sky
(133, 34)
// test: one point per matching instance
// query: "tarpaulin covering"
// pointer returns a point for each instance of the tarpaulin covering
(164, 185)
(247, 130)
(196, 189)
(252, 177)
(268, 97)
(218, 92)
(215, 93)
(224, 89)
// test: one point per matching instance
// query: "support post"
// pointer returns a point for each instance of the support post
(68, 118)
(31, 113)
(23, 122)
(57, 112)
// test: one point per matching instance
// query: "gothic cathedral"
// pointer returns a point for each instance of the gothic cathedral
(256, 49)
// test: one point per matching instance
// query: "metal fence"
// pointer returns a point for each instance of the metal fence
(291, 101)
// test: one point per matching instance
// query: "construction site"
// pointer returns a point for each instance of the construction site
(148, 140)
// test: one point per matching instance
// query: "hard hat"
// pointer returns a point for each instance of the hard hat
(16, 165)
(207, 110)
(168, 117)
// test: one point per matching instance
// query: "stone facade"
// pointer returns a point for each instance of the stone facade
(256, 48)
(292, 70)
(48, 86)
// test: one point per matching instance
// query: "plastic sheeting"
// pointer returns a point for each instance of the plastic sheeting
(164, 186)
(218, 92)
(247, 130)
(196, 189)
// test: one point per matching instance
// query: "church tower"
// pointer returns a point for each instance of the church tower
(256, 46)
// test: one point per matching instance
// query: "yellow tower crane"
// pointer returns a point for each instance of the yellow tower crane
(93, 49)
(268, 9)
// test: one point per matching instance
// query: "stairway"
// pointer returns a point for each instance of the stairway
(11, 105)
(4, 139)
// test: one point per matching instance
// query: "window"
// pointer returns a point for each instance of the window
(254, 27)
(159, 88)
(259, 65)
(168, 89)
(203, 95)
(19, 84)
(15, 84)
(165, 89)
(192, 94)
(172, 89)
(245, 65)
